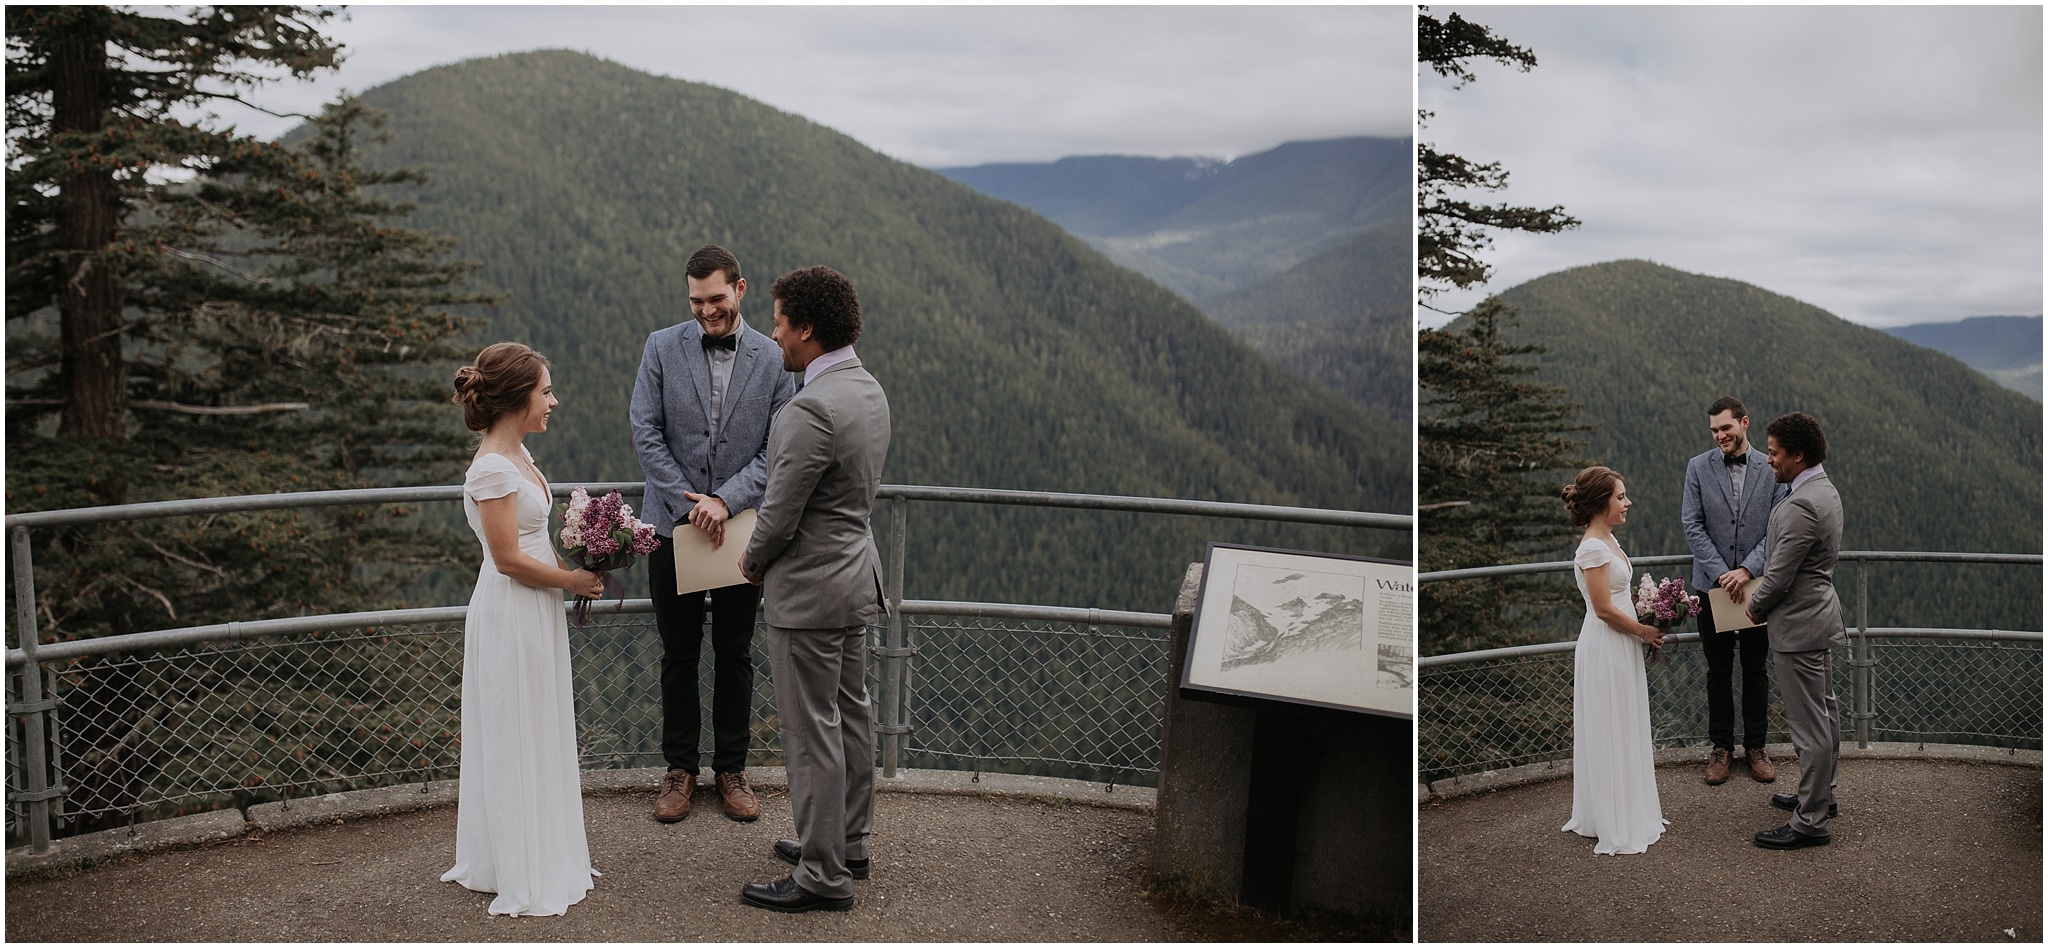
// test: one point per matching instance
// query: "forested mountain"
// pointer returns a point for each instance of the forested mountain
(1203, 228)
(2007, 348)
(1927, 454)
(1343, 318)
(1014, 356)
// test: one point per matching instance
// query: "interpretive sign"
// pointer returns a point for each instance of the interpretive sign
(1310, 628)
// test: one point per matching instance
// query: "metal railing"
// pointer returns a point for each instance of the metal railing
(1506, 707)
(151, 724)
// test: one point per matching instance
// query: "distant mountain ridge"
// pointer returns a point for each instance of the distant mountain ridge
(1927, 454)
(1201, 227)
(2006, 348)
(1303, 251)
(1343, 318)
(1013, 355)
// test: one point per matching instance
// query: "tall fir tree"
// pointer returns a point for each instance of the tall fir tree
(193, 312)
(1489, 444)
(272, 329)
(94, 95)
(1451, 231)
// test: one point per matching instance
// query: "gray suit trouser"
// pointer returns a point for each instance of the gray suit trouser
(828, 745)
(1806, 680)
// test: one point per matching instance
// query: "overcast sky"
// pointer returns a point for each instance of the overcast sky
(1883, 163)
(940, 86)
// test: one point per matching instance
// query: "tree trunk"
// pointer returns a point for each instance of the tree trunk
(92, 376)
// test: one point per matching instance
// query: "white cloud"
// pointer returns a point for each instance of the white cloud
(941, 85)
(1883, 163)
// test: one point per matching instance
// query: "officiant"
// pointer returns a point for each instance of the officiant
(707, 389)
(1726, 510)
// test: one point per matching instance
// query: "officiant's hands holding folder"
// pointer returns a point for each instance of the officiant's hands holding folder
(1733, 582)
(710, 516)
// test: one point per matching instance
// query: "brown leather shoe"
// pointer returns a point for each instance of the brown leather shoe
(1717, 765)
(1760, 766)
(739, 798)
(674, 801)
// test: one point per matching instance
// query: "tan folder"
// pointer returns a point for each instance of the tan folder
(699, 567)
(1728, 617)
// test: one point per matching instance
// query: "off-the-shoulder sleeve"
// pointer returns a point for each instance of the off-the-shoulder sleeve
(490, 478)
(1593, 554)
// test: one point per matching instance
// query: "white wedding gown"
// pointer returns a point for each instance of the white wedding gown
(1614, 776)
(519, 822)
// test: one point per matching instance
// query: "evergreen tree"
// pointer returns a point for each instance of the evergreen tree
(193, 312)
(92, 97)
(1451, 231)
(1490, 442)
(275, 331)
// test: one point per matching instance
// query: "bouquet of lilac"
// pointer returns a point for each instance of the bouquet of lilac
(602, 535)
(1661, 604)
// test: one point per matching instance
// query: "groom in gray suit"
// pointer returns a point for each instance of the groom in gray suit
(701, 407)
(1797, 596)
(814, 551)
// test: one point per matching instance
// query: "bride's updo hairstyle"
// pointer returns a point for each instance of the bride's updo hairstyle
(1589, 493)
(500, 382)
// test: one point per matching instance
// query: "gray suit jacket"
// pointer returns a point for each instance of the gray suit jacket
(812, 546)
(1797, 595)
(1720, 541)
(672, 422)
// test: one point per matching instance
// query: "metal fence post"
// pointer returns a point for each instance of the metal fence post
(894, 653)
(35, 786)
(1863, 711)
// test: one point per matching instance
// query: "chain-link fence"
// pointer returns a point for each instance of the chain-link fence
(1488, 713)
(238, 714)
(1052, 699)
(148, 735)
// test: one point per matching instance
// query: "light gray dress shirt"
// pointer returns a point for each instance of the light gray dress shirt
(719, 360)
(1735, 473)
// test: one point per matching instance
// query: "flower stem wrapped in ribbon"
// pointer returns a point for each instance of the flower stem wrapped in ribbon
(601, 536)
(1661, 604)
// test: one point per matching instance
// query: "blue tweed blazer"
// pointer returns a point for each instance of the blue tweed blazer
(1720, 542)
(672, 426)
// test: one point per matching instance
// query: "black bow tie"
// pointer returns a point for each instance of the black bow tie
(1734, 459)
(730, 343)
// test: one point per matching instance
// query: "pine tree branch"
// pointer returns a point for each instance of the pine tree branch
(166, 554)
(185, 409)
(221, 409)
(160, 597)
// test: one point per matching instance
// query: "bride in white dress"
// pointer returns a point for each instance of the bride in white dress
(519, 822)
(1614, 776)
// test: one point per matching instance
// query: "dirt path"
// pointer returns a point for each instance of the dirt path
(947, 868)
(1924, 851)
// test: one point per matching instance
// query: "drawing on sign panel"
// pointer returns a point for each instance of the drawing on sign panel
(1288, 616)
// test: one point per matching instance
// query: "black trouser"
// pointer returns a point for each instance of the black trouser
(1756, 686)
(681, 621)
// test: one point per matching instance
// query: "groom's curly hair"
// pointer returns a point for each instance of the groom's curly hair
(1799, 433)
(823, 299)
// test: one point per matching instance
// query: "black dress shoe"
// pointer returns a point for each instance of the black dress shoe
(1785, 837)
(784, 895)
(1790, 801)
(788, 851)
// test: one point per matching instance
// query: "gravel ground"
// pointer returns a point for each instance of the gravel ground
(947, 868)
(1924, 851)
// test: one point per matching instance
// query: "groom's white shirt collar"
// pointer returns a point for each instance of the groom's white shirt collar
(1804, 476)
(826, 361)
